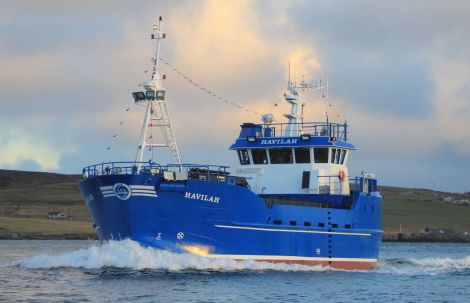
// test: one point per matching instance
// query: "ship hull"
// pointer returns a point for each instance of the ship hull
(220, 220)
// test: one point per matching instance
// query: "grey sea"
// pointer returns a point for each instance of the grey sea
(87, 271)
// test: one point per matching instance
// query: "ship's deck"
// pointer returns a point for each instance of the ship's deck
(220, 174)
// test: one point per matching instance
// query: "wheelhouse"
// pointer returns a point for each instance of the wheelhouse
(312, 160)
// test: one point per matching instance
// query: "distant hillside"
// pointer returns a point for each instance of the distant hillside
(26, 198)
(412, 210)
(14, 178)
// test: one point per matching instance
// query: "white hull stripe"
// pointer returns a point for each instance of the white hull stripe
(133, 194)
(136, 190)
(145, 195)
(294, 230)
(288, 258)
(143, 191)
(104, 192)
(110, 187)
(142, 187)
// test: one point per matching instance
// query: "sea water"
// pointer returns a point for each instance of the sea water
(87, 271)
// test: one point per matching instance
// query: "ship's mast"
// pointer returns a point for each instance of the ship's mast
(294, 128)
(156, 114)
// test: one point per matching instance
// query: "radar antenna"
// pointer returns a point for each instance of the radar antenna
(294, 128)
(156, 114)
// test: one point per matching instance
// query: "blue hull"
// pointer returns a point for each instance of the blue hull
(222, 220)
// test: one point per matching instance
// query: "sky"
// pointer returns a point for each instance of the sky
(398, 72)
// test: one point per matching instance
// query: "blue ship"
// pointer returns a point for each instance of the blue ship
(291, 199)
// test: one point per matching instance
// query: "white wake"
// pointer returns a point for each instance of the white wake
(131, 255)
(424, 266)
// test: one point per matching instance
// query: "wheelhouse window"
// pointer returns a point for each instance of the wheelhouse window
(280, 155)
(320, 155)
(302, 155)
(337, 156)
(343, 155)
(243, 156)
(259, 156)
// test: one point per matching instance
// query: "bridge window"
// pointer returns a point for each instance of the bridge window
(243, 156)
(302, 155)
(343, 155)
(335, 155)
(320, 155)
(259, 156)
(280, 155)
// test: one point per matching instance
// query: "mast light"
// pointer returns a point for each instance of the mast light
(138, 96)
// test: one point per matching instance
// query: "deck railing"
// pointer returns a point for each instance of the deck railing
(328, 129)
(332, 185)
(151, 168)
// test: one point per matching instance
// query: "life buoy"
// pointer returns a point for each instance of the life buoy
(341, 176)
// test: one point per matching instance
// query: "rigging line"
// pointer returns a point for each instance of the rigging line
(206, 90)
(117, 130)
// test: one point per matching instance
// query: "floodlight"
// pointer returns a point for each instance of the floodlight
(138, 96)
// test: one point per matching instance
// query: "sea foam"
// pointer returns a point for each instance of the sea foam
(424, 266)
(131, 255)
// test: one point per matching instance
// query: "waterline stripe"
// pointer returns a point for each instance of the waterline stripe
(287, 258)
(294, 230)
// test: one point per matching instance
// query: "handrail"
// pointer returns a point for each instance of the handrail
(330, 129)
(151, 168)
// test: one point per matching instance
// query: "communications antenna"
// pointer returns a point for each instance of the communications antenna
(294, 128)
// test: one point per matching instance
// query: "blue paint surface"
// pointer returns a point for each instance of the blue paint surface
(251, 226)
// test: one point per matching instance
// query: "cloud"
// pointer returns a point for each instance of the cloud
(397, 72)
(452, 99)
(24, 149)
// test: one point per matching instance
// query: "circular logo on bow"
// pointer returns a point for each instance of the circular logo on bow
(122, 191)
